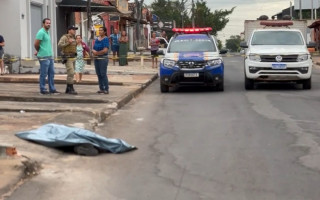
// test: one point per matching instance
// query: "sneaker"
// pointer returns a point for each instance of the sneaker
(100, 92)
(55, 92)
(44, 93)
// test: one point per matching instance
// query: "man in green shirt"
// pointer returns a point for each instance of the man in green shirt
(44, 53)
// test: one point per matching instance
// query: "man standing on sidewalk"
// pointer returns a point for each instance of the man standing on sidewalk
(44, 53)
(114, 40)
(68, 45)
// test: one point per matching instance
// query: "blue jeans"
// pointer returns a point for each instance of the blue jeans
(46, 69)
(101, 66)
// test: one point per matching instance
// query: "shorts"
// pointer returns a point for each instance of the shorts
(154, 53)
(115, 48)
(1, 54)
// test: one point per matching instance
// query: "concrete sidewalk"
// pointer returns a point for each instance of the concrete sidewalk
(19, 93)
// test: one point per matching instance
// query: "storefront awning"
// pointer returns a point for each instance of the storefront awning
(81, 6)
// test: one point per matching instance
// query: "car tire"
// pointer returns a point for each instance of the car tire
(220, 87)
(164, 88)
(248, 84)
(306, 84)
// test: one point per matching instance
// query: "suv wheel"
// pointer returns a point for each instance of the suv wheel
(220, 87)
(164, 88)
(248, 83)
(306, 84)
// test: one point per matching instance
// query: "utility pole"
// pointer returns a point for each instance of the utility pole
(193, 14)
(311, 9)
(300, 13)
(291, 9)
(90, 35)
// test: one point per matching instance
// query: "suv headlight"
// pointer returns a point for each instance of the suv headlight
(214, 62)
(169, 63)
(255, 57)
(302, 57)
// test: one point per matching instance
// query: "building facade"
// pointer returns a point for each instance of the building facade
(20, 22)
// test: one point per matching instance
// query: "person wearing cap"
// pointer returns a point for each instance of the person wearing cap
(68, 46)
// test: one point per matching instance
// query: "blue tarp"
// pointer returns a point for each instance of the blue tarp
(55, 135)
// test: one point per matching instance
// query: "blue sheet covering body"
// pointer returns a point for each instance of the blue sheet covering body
(55, 135)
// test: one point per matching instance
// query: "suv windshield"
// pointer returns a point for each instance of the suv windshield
(277, 38)
(195, 43)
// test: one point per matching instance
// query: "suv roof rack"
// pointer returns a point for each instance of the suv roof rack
(274, 23)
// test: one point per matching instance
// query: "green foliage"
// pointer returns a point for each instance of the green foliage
(219, 44)
(203, 16)
(233, 43)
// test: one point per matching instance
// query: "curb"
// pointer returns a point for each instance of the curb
(56, 81)
(101, 116)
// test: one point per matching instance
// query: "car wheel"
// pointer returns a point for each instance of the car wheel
(220, 87)
(306, 84)
(248, 84)
(164, 88)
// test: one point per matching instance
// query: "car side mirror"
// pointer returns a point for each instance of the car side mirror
(243, 44)
(311, 45)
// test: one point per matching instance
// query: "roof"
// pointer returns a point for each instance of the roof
(81, 6)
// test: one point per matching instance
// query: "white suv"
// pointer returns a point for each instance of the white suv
(277, 55)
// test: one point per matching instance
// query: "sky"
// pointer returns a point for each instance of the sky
(245, 10)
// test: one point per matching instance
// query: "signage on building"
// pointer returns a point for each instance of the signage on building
(114, 18)
(306, 4)
(168, 24)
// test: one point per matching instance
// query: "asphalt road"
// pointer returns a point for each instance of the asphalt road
(195, 144)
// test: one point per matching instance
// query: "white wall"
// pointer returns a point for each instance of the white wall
(10, 26)
(15, 25)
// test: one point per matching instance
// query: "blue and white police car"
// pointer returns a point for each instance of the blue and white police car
(192, 58)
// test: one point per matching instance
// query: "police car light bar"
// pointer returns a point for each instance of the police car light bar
(276, 23)
(192, 30)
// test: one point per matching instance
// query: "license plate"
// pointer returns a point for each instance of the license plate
(191, 75)
(279, 66)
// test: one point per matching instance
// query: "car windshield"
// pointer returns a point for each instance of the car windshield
(195, 44)
(277, 38)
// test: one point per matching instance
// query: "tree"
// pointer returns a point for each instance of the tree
(205, 18)
(219, 44)
(179, 11)
(233, 43)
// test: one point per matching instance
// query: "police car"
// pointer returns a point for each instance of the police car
(192, 58)
(277, 53)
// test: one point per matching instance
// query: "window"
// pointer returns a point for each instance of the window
(192, 44)
(277, 38)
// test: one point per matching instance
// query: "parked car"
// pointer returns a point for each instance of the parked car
(275, 54)
(192, 58)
